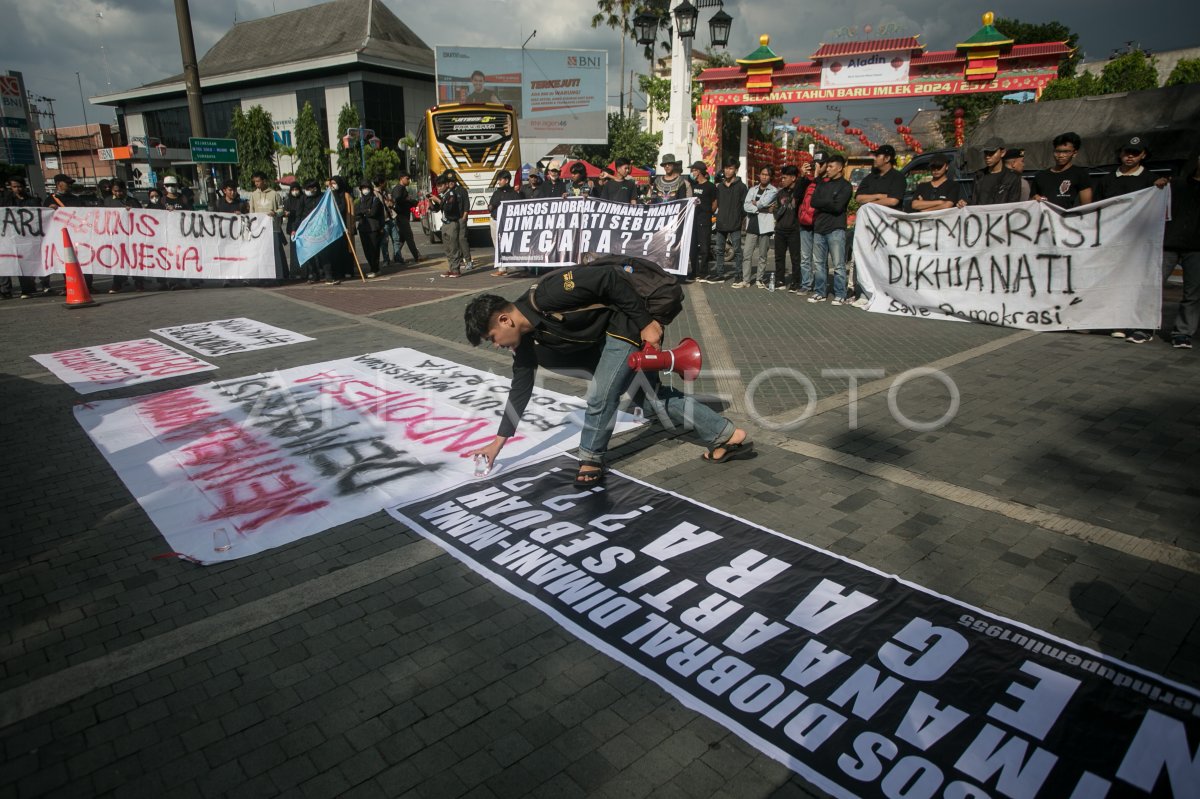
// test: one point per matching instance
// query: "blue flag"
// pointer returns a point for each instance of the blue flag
(319, 229)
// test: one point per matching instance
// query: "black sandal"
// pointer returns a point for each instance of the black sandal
(733, 452)
(591, 476)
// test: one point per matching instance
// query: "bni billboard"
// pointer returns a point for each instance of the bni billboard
(557, 94)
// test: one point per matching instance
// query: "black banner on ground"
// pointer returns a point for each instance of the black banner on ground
(862, 683)
(555, 232)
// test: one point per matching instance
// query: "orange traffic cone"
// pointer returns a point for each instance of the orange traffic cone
(78, 295)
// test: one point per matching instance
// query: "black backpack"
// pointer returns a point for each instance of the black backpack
(659, 288)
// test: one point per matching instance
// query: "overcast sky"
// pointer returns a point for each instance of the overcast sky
(119, 44)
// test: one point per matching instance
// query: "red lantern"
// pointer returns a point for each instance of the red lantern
(795, 120)
(959, 113)
(898, 120)
(845, 123)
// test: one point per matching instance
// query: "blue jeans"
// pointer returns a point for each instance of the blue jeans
(806, 260)
(734, 236)
(825, 246)
(613, 377)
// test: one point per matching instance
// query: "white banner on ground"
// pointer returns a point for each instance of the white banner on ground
(1029, 265)
(556, 232)
(123, 363)
(21, 240)
(144, 242)
(227, 336)
(256, 462)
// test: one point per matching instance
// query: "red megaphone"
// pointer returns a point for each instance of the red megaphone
(684, 360)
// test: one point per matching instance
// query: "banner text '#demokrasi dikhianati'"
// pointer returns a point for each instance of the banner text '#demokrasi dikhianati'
(1029, 265)
(555, 232)
(863, 684)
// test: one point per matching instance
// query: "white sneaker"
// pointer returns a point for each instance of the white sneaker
(836, 301)
(738, 285)
(370, 274)
(861, 302)
(817, 298)
(1117, 334)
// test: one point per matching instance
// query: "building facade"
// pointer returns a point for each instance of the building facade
(354, 52)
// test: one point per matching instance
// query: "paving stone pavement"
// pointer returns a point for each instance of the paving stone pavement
(379, 667)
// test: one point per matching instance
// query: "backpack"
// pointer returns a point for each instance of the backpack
(660, 290)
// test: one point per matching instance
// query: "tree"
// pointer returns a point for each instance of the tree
(349, 160)
(1084, 84)
(658, 96)
(1130, 72)
(975, 106)
(1187, 70)
(310, 149)
(625, 139)
(255, 142)
(383, 163)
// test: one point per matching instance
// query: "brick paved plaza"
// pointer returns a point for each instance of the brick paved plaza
(364, 661)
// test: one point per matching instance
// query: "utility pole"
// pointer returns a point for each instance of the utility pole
(191, 69)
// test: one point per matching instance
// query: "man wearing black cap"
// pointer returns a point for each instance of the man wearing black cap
(1130, 176)
(884, 186)
(995, 183)
(939, 192)
(705, 193)
(1014, 159)
(454, 202)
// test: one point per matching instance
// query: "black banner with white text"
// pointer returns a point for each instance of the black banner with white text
(862, 683)
(556, 232)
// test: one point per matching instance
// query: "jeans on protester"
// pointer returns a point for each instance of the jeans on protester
(386, 237)
(806, 260)
(756, 264)
(826, 246)
(1188, 315)
(613, 377)
(735, 237)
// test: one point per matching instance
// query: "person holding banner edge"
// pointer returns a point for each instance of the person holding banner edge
(590, 320)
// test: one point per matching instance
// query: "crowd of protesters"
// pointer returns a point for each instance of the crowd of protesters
(746, 235)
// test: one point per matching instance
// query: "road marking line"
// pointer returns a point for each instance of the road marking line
(717, 356)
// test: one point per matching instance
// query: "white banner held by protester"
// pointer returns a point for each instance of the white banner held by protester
(232, 468)
(556, 232)
(123, 363)
(143, 242)
(21, 232)
(1028, 265)
(227, 336)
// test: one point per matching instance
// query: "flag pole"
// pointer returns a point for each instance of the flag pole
(353, 254)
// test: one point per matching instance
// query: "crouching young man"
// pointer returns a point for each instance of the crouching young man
(589, 319)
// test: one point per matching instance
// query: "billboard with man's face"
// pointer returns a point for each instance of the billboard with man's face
(557, 94)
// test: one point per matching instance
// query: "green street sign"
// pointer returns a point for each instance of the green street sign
(214, 151)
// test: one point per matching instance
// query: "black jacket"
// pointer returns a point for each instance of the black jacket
(829, 201)
(731, 199)
(787, 206)
(453, 204)
(126, 202)
(993, 188)
(568, 334)
(502, 194)
(1183, 231)
(1109, 185)
(402, 203)
(369, 213)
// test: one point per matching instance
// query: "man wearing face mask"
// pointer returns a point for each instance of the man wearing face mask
(310, 270)
(368, 218)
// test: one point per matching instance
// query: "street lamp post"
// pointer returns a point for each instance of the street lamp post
(678, 130)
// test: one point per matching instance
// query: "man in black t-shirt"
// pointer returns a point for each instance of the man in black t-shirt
(1064, 184)
(884, 186)
(1130, 176)
(705, 192)
(939, 192)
